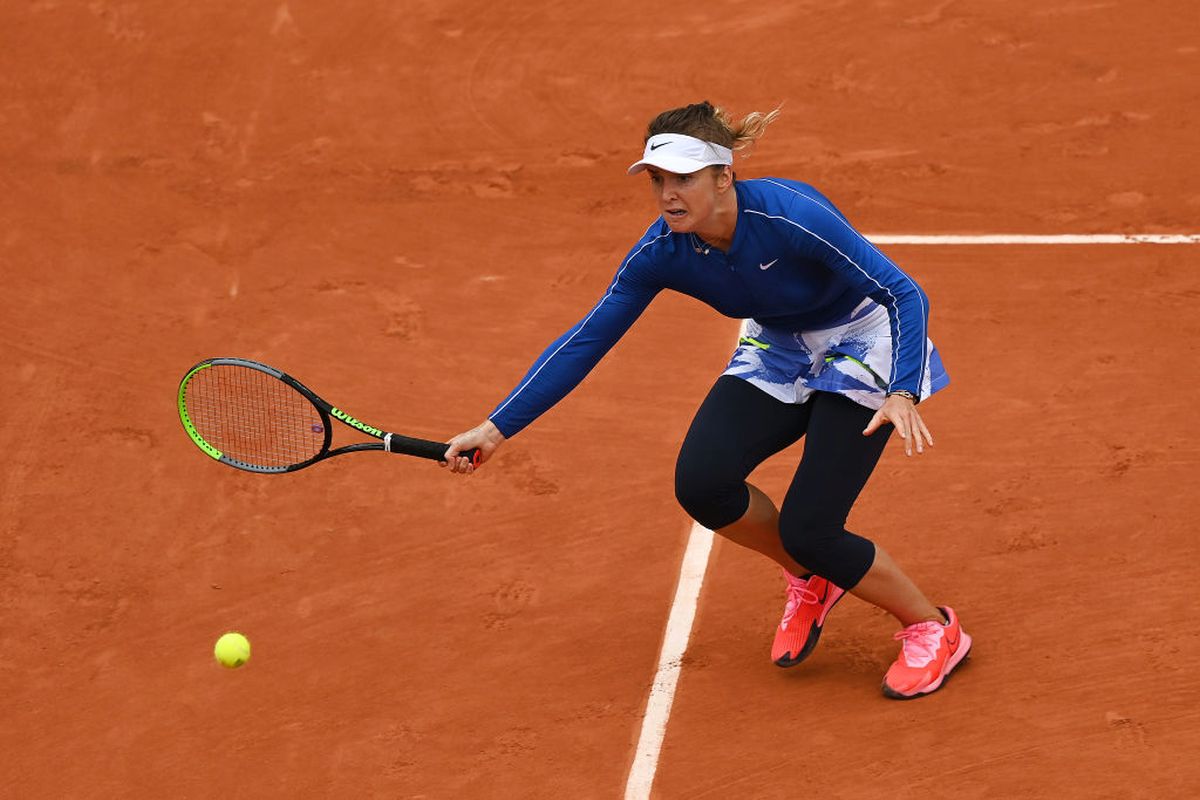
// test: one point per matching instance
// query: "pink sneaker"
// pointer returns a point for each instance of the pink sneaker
(930, 653)
(808, 602)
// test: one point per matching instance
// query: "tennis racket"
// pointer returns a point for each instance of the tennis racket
(259, 419)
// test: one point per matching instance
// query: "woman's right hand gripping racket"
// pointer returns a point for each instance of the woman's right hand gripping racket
(259, 419)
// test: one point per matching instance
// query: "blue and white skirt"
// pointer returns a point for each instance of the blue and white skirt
(852, 358)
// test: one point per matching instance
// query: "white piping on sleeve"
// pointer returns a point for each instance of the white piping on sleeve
(582, 324)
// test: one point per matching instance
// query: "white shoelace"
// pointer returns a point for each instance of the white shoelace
(798, 594)
(921, 641)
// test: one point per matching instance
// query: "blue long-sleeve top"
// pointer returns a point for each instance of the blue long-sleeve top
(795, 263)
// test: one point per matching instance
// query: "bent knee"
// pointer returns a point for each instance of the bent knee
(827, 548)
(710, 499)
(811, 546)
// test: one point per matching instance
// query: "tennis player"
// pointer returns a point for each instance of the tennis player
(836, 351)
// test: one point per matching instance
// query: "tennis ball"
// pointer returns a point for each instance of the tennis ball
(232, 650)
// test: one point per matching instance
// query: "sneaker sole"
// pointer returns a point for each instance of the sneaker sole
(810, 643)
(959, 657)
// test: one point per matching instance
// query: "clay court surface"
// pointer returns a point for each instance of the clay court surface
(401, 204)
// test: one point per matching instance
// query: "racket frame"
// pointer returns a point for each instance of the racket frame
(387, 441)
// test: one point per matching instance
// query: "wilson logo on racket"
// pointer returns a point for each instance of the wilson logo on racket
(259, 419)
(353, 423)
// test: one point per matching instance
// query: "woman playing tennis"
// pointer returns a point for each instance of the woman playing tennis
(836, 351)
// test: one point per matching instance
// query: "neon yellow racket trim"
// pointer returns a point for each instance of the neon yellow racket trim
(187, 421)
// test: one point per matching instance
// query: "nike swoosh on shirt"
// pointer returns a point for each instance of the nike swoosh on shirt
(767, 265)
(654, 147)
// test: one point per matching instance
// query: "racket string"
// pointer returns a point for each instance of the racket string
(253, 417)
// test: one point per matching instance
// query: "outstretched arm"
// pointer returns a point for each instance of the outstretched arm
(561, 367)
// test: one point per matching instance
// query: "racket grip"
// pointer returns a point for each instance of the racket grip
(423, 448)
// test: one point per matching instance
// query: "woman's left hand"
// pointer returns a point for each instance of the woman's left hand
(902, 412)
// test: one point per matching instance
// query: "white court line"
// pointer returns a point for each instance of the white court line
(1019, 238)
(695, 558)
(670, 662)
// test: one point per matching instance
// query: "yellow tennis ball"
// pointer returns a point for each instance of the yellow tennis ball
(232, 650)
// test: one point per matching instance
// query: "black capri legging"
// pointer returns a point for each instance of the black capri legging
(738, 426)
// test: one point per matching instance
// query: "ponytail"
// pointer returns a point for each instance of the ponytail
(712, 124)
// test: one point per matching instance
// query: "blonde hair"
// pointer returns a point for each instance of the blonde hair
(712, 124)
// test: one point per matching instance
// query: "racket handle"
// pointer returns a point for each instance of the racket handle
(423, 448)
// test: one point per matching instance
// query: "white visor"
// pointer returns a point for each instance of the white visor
(681, 154)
